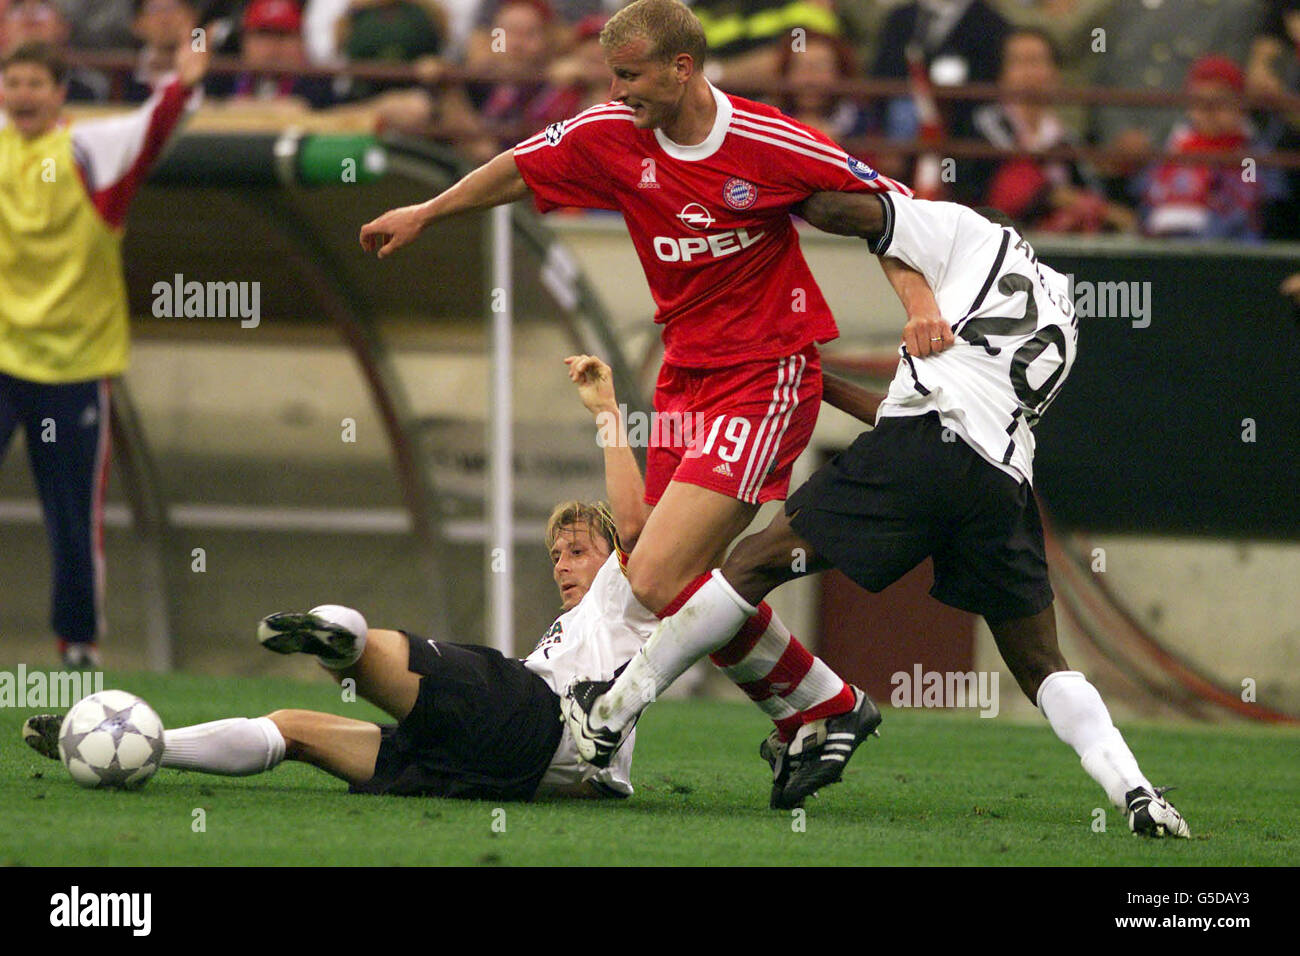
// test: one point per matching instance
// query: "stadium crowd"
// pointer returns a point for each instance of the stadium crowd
(482, 74)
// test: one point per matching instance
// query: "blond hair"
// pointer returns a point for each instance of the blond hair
(594, 514)
(669, 25)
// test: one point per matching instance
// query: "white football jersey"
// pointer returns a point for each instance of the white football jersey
(590, 641)
(1015, 327)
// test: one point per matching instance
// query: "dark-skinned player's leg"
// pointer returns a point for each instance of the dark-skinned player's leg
(820, 751)
(1029, 647)
(1079, 717)
(769, 558)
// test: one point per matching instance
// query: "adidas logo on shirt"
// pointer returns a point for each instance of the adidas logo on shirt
(724, 470)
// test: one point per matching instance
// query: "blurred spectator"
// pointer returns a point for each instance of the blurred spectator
(1055, 196)
(822, 60)
(1274, 67)
(861, 22)
(461, 15)
(400, 30)
(511, 33)
(581, 79)
(271, 32)
(1207, 201)
(396, 30)
(100, 24)
(959, 42)
(379, 28)
(527, 42)
(321, 27)
(28, 21)
(162, 26)
(1070, 25)
(1150, 44)
(748, 37)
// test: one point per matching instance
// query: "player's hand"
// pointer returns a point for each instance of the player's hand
(927, 334)
(192, 63)
(595, 382)
(392, 230)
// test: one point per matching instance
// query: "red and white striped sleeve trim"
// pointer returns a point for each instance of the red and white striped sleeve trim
(114, 154)
(602, 112)
(786, 135)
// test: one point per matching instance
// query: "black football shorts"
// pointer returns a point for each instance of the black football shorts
(901, 493)
(483, 727)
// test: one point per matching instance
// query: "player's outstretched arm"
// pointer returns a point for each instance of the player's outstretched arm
(850, 398)
(863, 215)
(844, 214)
(624, 485)
(495, 182)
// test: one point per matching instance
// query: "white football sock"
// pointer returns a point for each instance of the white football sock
(707, 621)
(352, 620)
(1078, 715)
(236, 747)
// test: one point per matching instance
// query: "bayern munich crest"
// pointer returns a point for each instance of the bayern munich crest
(739, 193)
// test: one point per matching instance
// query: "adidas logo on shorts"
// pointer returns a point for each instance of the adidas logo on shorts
(724, 470)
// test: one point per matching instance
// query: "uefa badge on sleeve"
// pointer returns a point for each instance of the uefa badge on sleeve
(860, 169)
(739, 193)
(553, 133)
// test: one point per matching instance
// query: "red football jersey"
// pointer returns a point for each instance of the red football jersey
(710, 222)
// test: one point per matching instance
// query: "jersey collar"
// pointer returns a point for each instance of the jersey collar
(711, 143)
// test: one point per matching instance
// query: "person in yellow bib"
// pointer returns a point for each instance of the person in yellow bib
(64, 194)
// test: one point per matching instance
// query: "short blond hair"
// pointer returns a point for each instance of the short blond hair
(594, 514)
(669, 25)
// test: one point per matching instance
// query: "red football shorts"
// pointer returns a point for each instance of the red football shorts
(736, 430)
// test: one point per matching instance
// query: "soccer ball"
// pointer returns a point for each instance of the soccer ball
(111, 739)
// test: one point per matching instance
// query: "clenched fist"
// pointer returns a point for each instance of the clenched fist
(927, 334)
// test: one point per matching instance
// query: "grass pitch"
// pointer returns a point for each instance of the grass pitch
(936, 788)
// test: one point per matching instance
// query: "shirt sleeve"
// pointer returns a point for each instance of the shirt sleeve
(920, 234)
(115, 154)
(822, 166)
(561, 166)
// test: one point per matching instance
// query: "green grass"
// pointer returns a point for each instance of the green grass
(936, 788)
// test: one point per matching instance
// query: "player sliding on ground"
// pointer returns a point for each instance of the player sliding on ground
(706, 182)
(946, 473)
(471, 723)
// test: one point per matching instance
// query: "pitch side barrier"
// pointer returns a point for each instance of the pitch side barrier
(281, 213)
(1181, 413)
